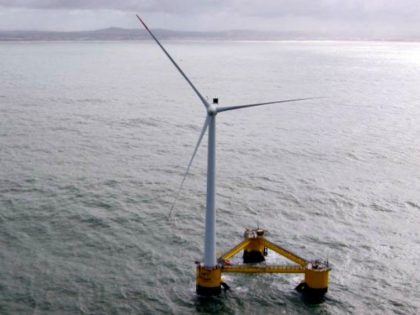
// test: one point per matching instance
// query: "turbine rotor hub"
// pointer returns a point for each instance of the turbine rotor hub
(212, 110)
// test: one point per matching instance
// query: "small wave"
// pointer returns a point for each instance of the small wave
(380, 208)
(90, 101)
(191, 127)
(111, 183)
(142, 122)
(341, 203)
(90, 221)
(353, 156)
(413, 204)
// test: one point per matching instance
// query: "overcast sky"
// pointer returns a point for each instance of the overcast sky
(364, 17)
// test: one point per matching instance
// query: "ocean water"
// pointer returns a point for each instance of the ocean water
(95, 137)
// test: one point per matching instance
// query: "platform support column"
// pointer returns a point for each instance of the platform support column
(315, 285)
(255, 251)
(209, 280)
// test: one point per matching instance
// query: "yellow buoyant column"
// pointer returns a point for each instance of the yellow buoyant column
(317, 278)
(255, 251)
(316, 281)
(209, 280)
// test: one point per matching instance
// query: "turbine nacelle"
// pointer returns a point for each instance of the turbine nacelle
(212, 108)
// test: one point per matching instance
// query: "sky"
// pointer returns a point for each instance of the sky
(398, 18)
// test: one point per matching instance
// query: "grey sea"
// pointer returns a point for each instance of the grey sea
(95, 138)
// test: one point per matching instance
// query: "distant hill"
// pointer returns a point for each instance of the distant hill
(115, 33)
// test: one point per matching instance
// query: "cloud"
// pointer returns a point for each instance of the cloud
(182, 7)
(265, 8)
(364, 16)
(330, 9)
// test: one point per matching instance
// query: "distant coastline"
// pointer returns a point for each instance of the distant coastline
(116, 34)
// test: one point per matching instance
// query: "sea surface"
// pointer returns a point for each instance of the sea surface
(95, 138)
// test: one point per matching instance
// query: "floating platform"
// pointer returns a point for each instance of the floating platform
(255, 248)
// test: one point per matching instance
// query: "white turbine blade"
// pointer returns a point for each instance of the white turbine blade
(223, 109)
(203, 100)
(203, 131)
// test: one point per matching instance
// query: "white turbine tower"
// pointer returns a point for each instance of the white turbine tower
(208, 273)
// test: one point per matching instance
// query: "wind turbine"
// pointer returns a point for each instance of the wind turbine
(209, 272)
